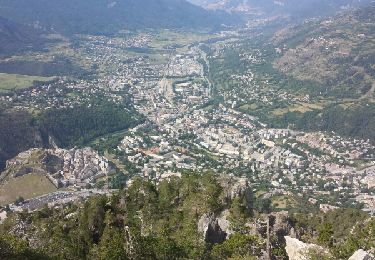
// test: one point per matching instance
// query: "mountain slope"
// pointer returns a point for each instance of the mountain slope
(337, 57)
(16, 38)
(295, 8)
(338, 53)
(107, 16)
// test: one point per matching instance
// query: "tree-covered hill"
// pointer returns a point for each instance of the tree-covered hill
(197, 216)
(104, 16)
(292, 8)
(16, 38)
(336, 57)
(17, 133)
(68, 127)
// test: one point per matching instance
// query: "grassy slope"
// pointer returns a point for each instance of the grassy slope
(27, 186)
(16, 81)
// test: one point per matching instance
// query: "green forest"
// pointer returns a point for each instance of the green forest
(68, 127)
(355, 122)
(79, 125)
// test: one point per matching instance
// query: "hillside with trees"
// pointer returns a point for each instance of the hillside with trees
(335, 56)
(106, 17)
(197, 216)
(67, 127)
(16, 38)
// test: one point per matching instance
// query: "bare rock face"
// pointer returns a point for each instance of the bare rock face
(224, 223)
(281, 226)
(361, 255)
(214, 233)
(216, 228)
(298, 250)
(211, 229)
(235, 187)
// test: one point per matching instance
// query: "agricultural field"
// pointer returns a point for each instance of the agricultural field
(167, 38)
(10, 82)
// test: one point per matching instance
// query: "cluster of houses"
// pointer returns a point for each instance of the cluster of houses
(184, 66)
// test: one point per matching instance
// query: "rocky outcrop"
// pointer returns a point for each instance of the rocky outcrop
(210, 227)
(235, 187)
(224, 223)
(217, 227)
(281, 225)
(298, 250)
(361, 255)
(214, 234)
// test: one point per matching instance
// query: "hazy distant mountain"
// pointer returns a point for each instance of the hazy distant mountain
(106, 16)
(15, 38)
(302, 8)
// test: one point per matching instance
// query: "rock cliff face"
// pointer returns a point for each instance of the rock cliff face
(361, 255)
(237, 188)
(298, 250)
(281, 226)
(17, 134)
(216, 227)
(212, 232)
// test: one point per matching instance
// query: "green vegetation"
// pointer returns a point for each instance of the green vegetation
(238, 246)
(342, 231)
(143, 222)
(337, 55)
(68, 126)
(15, 248)
(98, 17)
(60, 65)
(16, 38)
(335, 225)
(330, 62)
(165, 39)
(361, 237)
(79, 125)
(325, 234)
(18, 132)
(27, 186)
(148, 221)
(9, 82)
(356, 121)
(317, 254)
